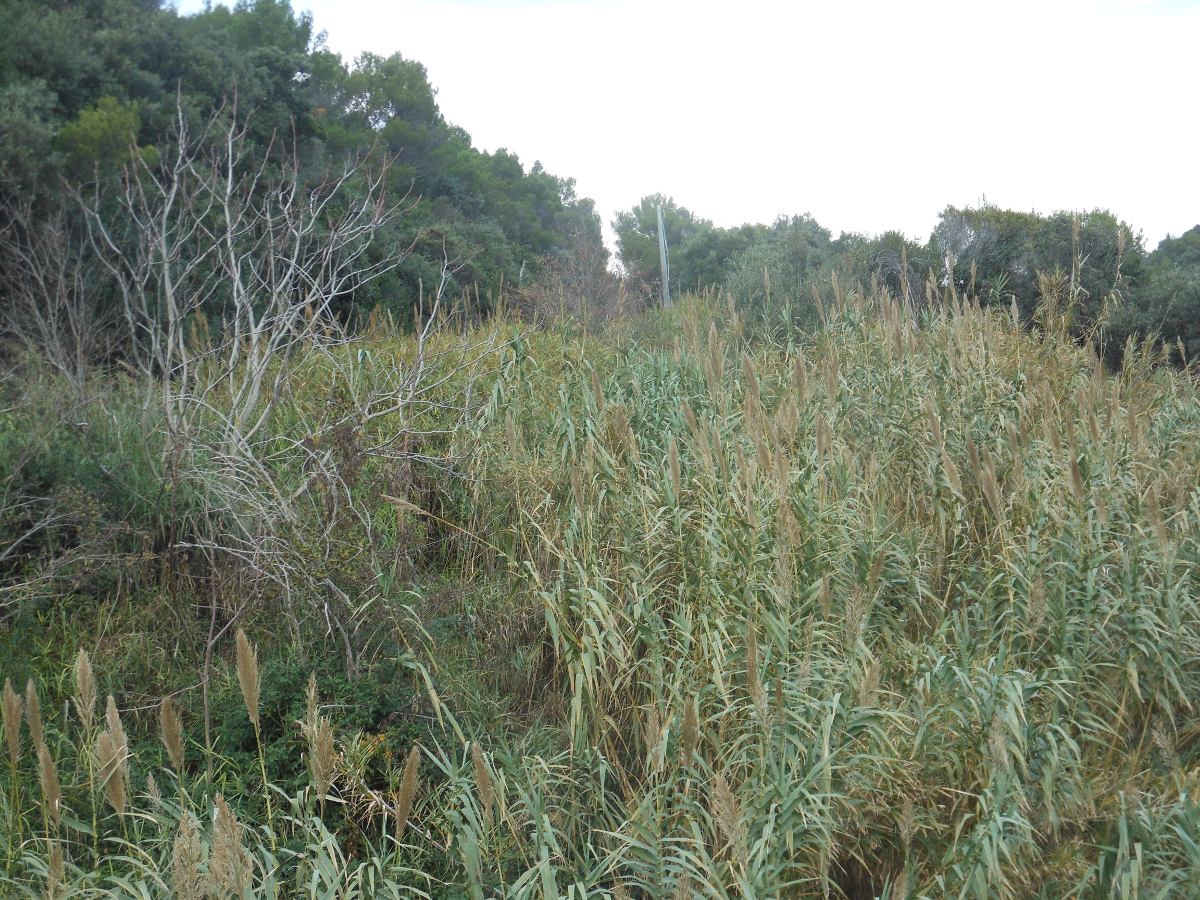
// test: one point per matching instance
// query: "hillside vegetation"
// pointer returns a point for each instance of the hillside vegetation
(366, 531)
(893, 607)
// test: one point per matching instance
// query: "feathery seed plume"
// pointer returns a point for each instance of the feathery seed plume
(172, 733)
(229, 864)
(85, 691)
(483, 781)
(33, 714)
(51, 792)
(408, 790)
(187, 881)
(247, 673)
(110, 766)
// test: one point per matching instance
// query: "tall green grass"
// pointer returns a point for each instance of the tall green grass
(895, 608)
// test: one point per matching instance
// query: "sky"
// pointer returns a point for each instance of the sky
(868, 115)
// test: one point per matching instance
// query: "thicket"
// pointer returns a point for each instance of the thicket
(896, 607)
(998, 256)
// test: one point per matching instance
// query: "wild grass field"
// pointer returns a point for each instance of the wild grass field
(904, 605)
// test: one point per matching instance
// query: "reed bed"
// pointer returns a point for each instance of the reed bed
(903, 607)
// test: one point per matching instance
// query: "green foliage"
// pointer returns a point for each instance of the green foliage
(100, 138)
(772, 279)
(91, 80)
(999, 254)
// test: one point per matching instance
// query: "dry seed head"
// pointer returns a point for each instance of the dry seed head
(831, 376)
(935, 422)
(787, 421)
(907, 826)
(187, 881)
(85, 691)
(1156, 519)
(1077, 488)
(973, 456)
(689, 416)
(1035, 609)
(577, 488)
(951, 470)
(991, 489)
(33, 714)
(750, 376)
(875, 571)
(229, 865)
(998, 744)
(483, 781)
(152, 791)
(869, 684)
(322, 756)
(110, 766)
(172, 733)
(247, 672)
(51, 792)
(12, 723)
(753, 683)
(800, 377)
(728, 814)
(408, 790)
(824, 436)
(112, 718)
(652, 734)
(716, 358)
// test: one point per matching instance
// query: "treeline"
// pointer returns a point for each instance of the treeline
(98, 97)
(1116, 288)
(84, 86)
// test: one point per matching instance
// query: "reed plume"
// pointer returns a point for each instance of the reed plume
(483, 781)
(85, 691)
(187, 879)
(33, 714)
(110, 765)
(727, 813)
(51, 791)
(408, 790)
(247, 673)
(322, 756)
(251, 685)
(229, 866)
(172, 733)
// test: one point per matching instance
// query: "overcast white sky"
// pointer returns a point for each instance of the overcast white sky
(869, 115)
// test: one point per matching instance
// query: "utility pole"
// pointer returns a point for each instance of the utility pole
(664, 262)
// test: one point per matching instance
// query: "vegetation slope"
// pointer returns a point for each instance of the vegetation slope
(898, 606)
